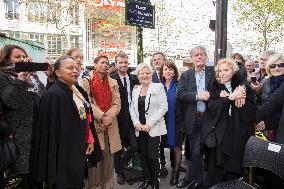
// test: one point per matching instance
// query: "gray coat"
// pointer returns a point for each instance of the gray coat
(19, 106)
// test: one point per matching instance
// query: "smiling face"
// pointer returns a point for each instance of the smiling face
(17, 55)
(225, 72)
(277, 68)
(145, 76)
(102, 66)
(168, 73)
(122, 64)
(68, 72)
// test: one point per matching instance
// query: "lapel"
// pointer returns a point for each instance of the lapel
(192, 80)
(149, 95)
(135, 98)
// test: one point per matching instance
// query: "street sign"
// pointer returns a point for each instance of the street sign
(139, 14)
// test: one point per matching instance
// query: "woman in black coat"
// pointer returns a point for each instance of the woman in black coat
(232, 125)
(63, 137)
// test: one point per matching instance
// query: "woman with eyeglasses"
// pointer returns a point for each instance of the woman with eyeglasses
(148, 107)
(105, 100)
(274, 79)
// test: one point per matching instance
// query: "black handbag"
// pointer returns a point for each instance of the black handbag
(9, 152)
(211, 140)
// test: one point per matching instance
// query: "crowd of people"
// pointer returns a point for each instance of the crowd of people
(81, 128)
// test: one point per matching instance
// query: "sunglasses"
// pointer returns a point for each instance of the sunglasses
(272, 66)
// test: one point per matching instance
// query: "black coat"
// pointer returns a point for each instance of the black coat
(232, 131)
(186, 94)
(123, 118)
(273, 104)
(60, 143)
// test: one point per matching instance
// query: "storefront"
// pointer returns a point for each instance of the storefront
(106, 33)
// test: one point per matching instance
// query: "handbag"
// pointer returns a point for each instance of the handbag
(9, 152)
(211, 140)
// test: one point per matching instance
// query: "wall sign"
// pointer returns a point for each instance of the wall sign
(139, 14)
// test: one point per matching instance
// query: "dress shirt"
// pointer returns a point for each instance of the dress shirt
(128, 85)
(200, 84)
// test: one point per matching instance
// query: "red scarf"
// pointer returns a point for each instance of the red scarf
(101, 92)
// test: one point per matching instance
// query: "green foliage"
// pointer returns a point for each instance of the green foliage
(265, 17)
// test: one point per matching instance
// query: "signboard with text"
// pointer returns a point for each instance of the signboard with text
(139, 14)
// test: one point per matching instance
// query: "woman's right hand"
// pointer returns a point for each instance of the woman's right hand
(237, 94)
(139, 127)
(23, 76)
(260, 126)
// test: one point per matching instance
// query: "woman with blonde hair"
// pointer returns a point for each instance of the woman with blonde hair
(105, 100)
(226, 127)
(147, 110)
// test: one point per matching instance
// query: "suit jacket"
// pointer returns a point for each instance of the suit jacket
(123, 118)
(113, 132)
(186, 93)
(157, 105)
(155, 77)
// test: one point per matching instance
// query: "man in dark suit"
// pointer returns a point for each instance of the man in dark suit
(192, 91)
(158, 60)
(126, 82)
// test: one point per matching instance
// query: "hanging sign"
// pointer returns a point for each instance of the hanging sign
(139, 14)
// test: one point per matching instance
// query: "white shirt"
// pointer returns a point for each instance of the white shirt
(128, 85)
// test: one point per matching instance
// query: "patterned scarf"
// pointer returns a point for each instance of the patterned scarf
(9, 69)
(101, 92)
(275, 83)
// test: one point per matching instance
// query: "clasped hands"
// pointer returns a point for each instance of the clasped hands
(141, 127)
(238, 95)
(105, 122)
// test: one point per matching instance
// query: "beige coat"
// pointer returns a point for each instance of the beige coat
(113, 132)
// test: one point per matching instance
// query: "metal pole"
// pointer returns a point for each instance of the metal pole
(139, 45)
(221, 30)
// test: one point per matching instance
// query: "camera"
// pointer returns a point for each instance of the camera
(30, 66)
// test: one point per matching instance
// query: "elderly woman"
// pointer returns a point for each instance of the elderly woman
(19, 98)
(105, 99)
(148, 106)
(169, 77)
(226, 128)
(275, 77)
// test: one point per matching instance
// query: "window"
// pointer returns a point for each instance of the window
(56, 45)
(74, 42)
(15, 35)
(42, 12)
(36, 37)
(12, 9)
(74, 13)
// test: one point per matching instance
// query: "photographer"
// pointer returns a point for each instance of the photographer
(19, 98)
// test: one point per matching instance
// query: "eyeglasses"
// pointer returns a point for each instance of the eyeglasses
(280, 65)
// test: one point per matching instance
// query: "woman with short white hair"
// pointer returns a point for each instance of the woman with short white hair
(149, 105)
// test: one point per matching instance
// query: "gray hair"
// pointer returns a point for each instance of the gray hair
(198, 47)
(271, 60)
(142, 66)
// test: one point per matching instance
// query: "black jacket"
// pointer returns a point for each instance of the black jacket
(273, 104)
(232, 131)
(60, 144)
(123, 118)
(186, 94)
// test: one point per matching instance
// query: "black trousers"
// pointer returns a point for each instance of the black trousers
(129, 148)
(2, 181)
(195, 165)
(162, 150)
(149, 155)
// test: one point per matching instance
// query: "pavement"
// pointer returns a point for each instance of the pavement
(164, 182)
